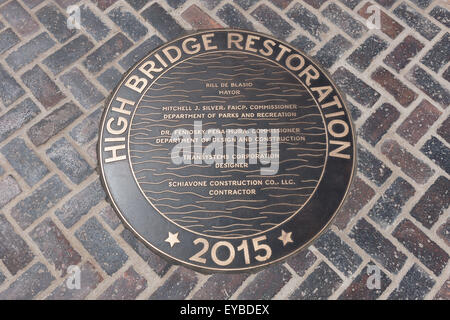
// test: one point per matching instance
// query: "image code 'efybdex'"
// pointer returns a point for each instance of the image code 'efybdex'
(226, 150)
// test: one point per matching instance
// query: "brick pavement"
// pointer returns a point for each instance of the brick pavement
(53, 211)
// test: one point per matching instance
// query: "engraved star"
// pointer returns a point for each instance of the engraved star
(285, 237)
(172, 239)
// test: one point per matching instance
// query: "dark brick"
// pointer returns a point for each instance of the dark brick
(53, 123)
(417, 21)
(93, 24)
(159, 265)
(272, 21)
(433, 203)
(177, 286)
(110, 217)
(29, 51)
(338, 253)
(89, 280)
(438, 153)
(245, 4)
(358, 289)
(19, 18)
(128, 23)
(425, 82)
(55, 22)
(444, 292)
(14, 251)
(54, 246)
(110, 50)
(351, 3)
(372, 167)
(17, 117)
(69, 161)
(80, 204)
(379, 123)
(39, 201)
(103, 4)
(8, 39)
(10, 90)
(403, 53)
(444, 130)
(394, 86)
(29, 284)
(162, 21)
(418, 122)
(110, 78)
(422, 3)
(332, 50)
(308, 21)
(65, 3)
(32, 3)
(303, 43)
(234, 18)
(409, 164)
(99, 243)
(377, 246)
(319, 285)
(68, 54)
(140, 52)
(82, 89)
(446, 74)
(363, 56)
(442, 15)
(42, 87)
(355, 87)
(414, 286)
(426, 250)
(24, 161)
(2, 278)
(9, 189)
(175, 3)
(282, 4)
(444, 232)
(315, 3)
(266, 284)
(211, 4)
(127, 287)
(137, 4)
(354, 111)
(87, 129)
(439, 55)
(344, 21)
(199, 19)
(359, 195)
(390, 204)
(220, 286)
(301, 261)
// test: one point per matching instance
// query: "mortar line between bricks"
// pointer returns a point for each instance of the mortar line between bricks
(290, 286)
(202, 278)
(396, 281)
(440, 281)
(242, 287)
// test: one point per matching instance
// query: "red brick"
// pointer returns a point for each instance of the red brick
(315, 3)
(177, 286)
(388, 25)
(409, 164)
(379, 123)
(418, 122)
(444, 130)
(403, 53)
(427, 251)
(395, 87)
(199, 19)
(444, 232)
(359, 195)
(302, 261)
(103, 4)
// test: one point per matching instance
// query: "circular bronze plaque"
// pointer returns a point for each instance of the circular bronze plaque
(226, 150)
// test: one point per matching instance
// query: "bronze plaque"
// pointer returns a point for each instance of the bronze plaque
(226, 150)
